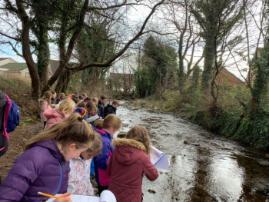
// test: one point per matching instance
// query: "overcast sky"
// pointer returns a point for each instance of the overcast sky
(135, 17)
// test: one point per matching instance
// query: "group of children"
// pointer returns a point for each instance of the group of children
(77, 140)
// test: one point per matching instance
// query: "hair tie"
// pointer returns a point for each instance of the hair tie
(80, 118)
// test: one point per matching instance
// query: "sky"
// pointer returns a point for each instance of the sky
(135, 17)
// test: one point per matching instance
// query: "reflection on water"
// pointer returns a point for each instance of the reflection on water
(204, 167)
(225, 178)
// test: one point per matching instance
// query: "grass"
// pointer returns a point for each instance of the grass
(20, 92)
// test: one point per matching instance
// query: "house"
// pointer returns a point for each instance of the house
(12, 69)
(123, 82)
(4, 61)
(225, 77)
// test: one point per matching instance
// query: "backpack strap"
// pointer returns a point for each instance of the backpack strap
(7, 110)
(5, 120)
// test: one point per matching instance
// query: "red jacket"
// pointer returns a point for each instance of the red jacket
(128, 165)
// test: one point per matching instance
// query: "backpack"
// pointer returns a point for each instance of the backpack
(13, 117)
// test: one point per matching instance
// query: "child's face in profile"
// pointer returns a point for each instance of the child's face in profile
(87, 154)
(92, 112)
(71, 151)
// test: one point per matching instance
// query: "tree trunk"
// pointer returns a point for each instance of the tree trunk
(63, 81)
(43, 54)
(209, 61)
(181, 74)
(26, 50)
(195, 78)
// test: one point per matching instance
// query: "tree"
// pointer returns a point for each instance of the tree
(66, 28)
(187, 38)
(158, 63)
(94, 45)
(216, 18)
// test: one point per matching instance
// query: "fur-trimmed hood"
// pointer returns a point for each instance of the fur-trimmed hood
(127, 149)
(129, 142)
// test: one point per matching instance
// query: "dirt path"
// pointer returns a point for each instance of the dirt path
(204, 167)
(17, 141)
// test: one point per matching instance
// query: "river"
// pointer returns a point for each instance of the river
(204, 166)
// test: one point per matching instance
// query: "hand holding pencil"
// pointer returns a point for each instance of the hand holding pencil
(59, 197)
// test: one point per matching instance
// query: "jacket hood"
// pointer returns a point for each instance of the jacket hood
(53, 113)
(103, 132)
(53, 149)
(127, 150)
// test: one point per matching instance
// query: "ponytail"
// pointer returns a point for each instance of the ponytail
(72, 130)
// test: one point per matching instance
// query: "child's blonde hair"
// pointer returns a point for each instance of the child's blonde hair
(112, 121)
(67, 106)
(95, 100)
(140, 134)
(99, 123)
(72, 130)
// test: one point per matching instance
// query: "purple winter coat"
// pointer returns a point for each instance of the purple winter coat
(41, 168)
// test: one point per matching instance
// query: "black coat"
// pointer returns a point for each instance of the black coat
(109, 109)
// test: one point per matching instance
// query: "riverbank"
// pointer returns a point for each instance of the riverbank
(228, 121)
(204, 167)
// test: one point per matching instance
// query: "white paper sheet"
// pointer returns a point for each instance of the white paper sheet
(159, 159)
(106, 196)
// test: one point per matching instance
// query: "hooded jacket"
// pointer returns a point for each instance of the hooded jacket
(53, 116)
(101, 160)
(128, 165)
(41, 168)
(109, 109)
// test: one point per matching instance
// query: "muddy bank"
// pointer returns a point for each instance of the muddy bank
(18, 139)
(204, 167)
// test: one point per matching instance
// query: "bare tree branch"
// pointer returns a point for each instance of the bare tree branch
(112, 59)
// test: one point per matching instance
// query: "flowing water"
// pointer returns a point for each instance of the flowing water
(204, 167)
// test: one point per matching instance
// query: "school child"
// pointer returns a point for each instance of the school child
(129, 163)
(111, 109)
(81, 104)
(95, 101)
(56, 115)
(45, 103)
(79, 177)
(44, 165)
(99, 123)
(101, 106)
(54, 97)
(60, 98)
(92, 113)
(81, 111)
(111, 125)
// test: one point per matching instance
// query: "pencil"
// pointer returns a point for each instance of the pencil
(48, 195)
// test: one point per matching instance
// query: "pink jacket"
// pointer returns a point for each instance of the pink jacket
(53, 116)
(43, 107)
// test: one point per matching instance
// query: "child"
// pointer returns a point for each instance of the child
(44, 167)
(60, 98)
(65, 109)
(101, 106)
(95, 101)
(129, 163)
(92, 113)
(111, 125)
(45, 103)
(111, 109)
(54, 97)
(79, 177)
